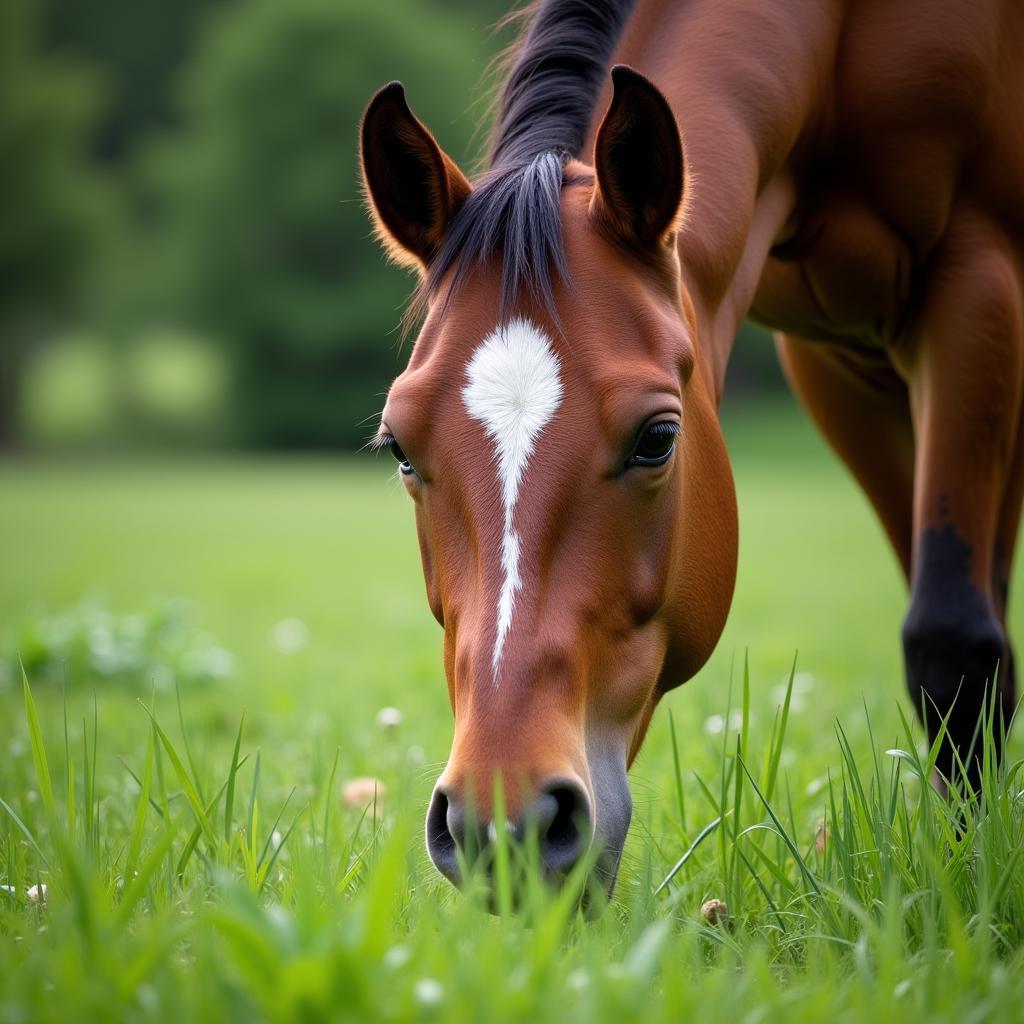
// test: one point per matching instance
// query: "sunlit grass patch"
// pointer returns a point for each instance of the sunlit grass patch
(194, 888)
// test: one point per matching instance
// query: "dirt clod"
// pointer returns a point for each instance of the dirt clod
(715, 912)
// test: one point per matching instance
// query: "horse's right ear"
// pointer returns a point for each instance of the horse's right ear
(413, 188)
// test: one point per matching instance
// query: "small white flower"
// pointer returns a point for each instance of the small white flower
(579, 979)
(816, 785)
(429, 992)
(289, 636)
(803, 683)
(389, 719)
(396, 957)
(714, 724)
(220, 663)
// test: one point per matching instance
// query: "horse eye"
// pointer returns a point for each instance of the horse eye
(655, 445)
(404, 465)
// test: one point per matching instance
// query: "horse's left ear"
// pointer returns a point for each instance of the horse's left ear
(414, 188)
(638, 157)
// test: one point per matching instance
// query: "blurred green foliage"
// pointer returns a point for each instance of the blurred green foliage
(166, 385)
(260, 198)
(156, 647)
(136, 47)
(185, 257)
(51, 201)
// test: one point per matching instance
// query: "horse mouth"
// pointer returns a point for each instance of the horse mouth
(521, 888)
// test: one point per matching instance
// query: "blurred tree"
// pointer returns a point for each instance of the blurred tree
(51, 204)
(137, 46)
(260, 201)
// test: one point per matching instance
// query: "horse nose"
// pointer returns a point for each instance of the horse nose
(564, 824)
(560, 815)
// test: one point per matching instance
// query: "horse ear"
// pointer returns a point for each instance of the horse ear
(413, 188)
(638, 157)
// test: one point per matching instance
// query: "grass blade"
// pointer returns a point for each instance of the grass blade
(24, 829)
(70, 762)
(678, 773)
(801, 863)
(139, 824)
(678, 866)
(775, 754)
(187, 785)
(229, 802)
(35, 736)
(135, 888)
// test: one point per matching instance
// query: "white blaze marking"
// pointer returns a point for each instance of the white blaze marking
(513, 388)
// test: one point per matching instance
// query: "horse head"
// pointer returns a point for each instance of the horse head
(556, 430)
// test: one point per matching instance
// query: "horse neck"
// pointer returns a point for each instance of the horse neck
(747, 81)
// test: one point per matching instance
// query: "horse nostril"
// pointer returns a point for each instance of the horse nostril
(560, 814)
(564, 824)
(445, 828)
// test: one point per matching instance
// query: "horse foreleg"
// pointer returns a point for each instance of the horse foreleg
(963, 366)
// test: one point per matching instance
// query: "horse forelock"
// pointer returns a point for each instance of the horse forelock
(513, 213)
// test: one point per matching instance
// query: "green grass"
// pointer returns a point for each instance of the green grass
(198, 866)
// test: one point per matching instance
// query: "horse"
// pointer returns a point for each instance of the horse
(847, 174)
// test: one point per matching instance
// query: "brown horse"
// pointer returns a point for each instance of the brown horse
(853, 176)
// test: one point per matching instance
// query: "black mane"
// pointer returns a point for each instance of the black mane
(544, 111)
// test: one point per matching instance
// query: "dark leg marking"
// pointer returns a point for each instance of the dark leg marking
(952, 644)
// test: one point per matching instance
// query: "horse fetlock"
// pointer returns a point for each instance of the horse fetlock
(954, 656)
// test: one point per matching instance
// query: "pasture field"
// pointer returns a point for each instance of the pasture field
(206, 867)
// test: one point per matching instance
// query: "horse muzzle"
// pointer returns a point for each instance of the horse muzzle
(562, 825)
